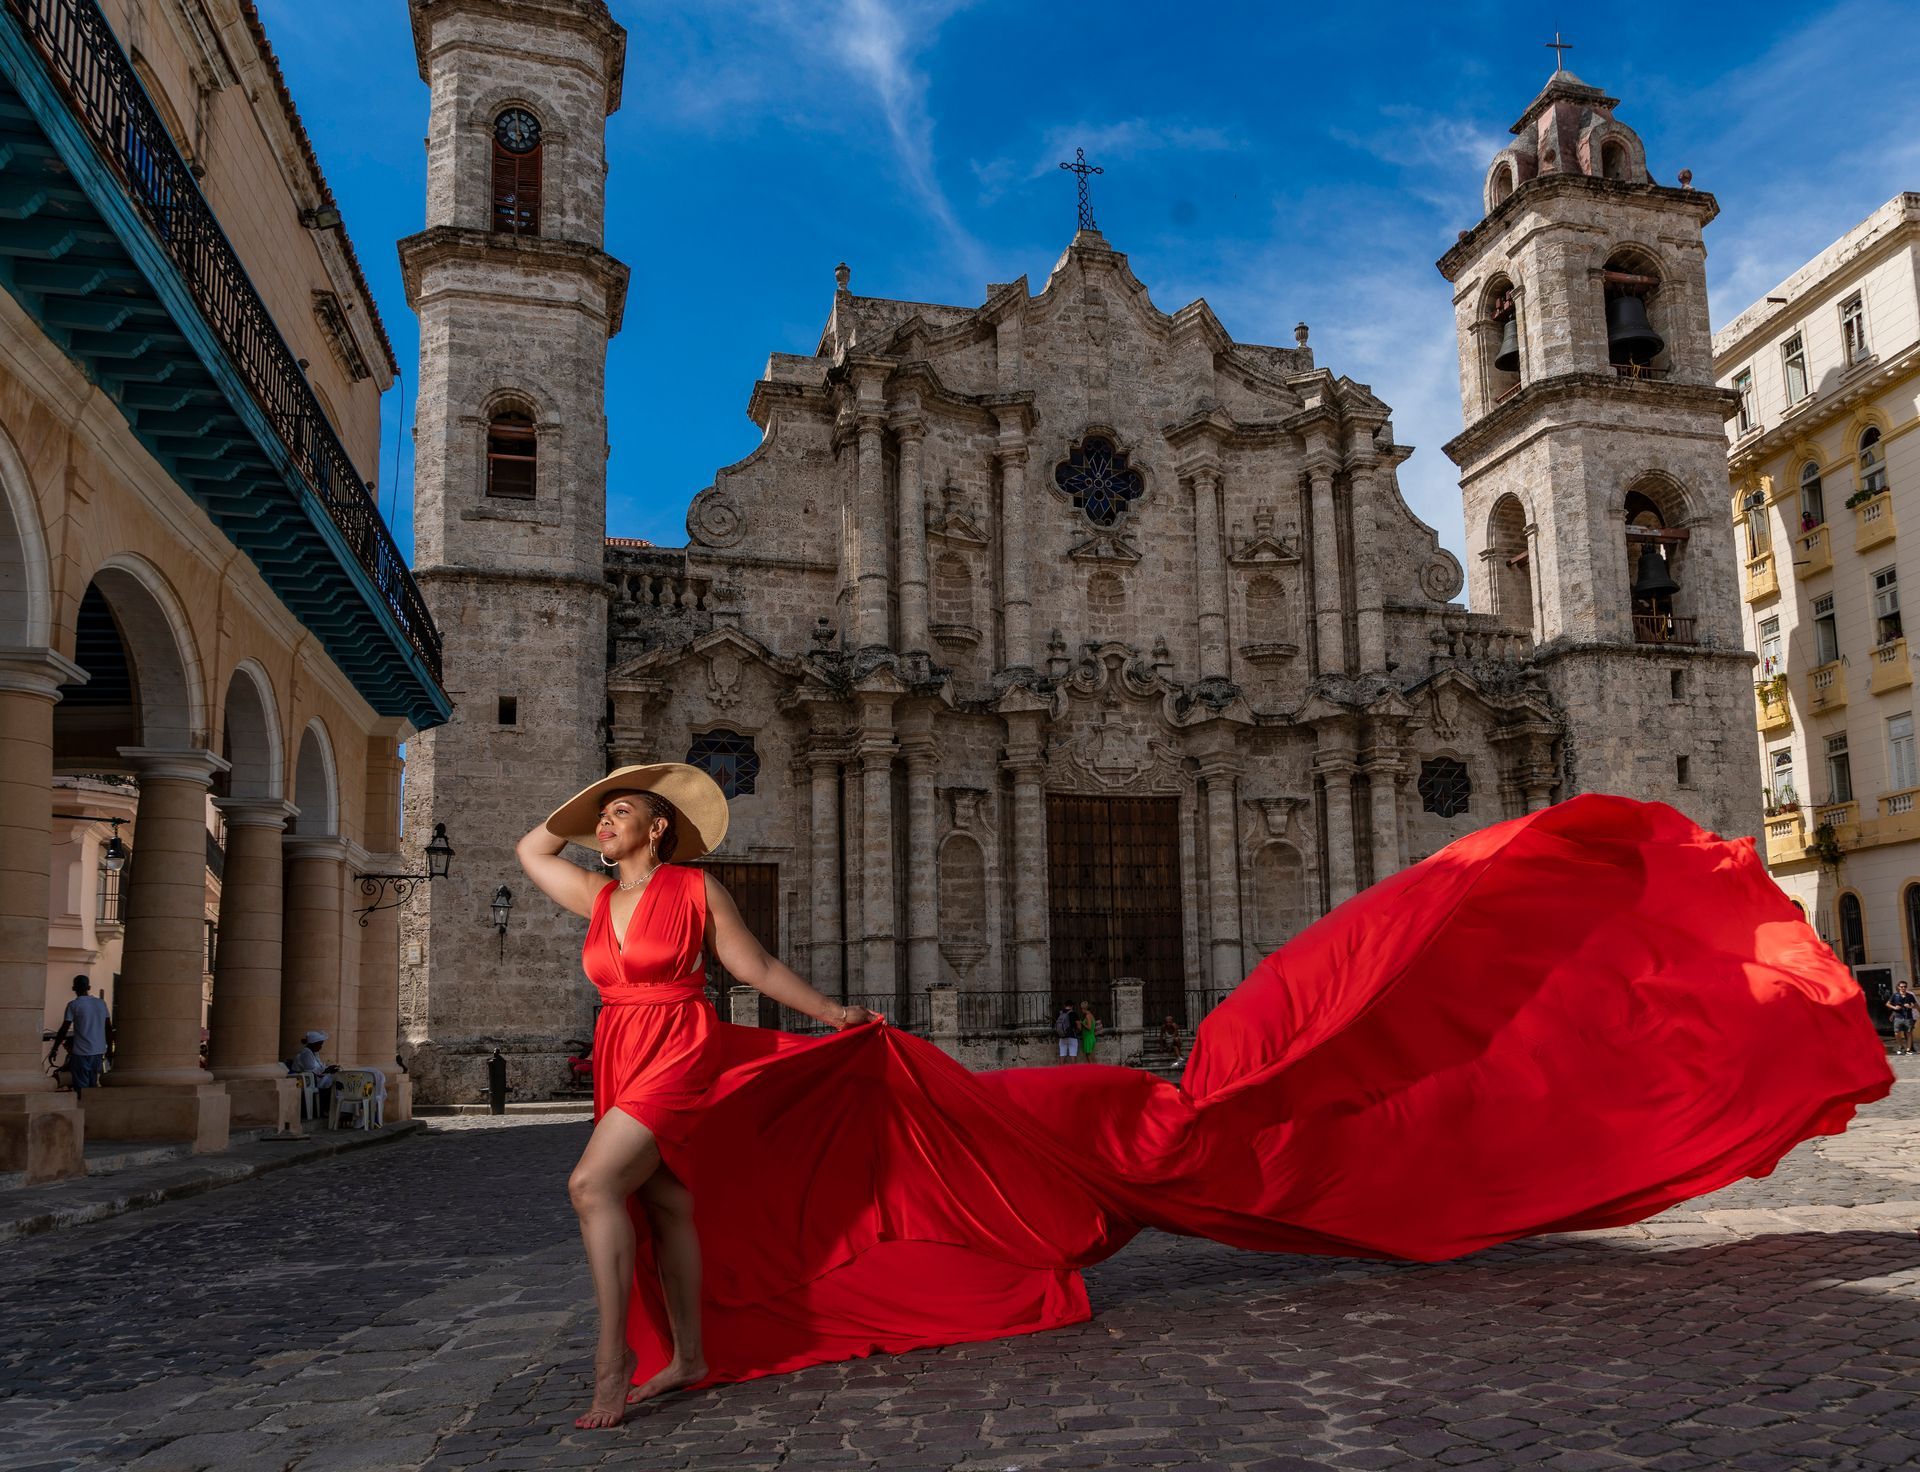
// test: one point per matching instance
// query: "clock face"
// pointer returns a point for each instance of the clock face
(517, 130)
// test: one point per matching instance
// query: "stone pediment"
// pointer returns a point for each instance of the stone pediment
(1265, 548)
(1438, 700)
(954, 523)
(726, 647)
(1104, 546)
(1117, 749)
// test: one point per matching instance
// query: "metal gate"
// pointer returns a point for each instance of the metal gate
(756, 891)
(1113, 901)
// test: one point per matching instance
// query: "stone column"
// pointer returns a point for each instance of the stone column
(823, 871)
(1337, 773)
(1370, 611)
(923, 917)
(1329, 625)
(1016, 597)
(1382, 775)
(1031, 966)
(157, 1088)
(41, 1128)
(743, 1006)
(870, 511)
(243, 1048)
(1226, 962)
(943, 1019)
(310, 992)
(1128, 1039)
(1211, 572)
(911, 434)
(879, 949)
(378, 1021)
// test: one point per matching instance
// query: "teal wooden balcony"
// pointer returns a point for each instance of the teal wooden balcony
(106, 240)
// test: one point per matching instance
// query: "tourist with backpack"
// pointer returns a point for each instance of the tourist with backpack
(1066, 1028)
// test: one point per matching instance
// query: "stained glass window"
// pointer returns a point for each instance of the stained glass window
(728, 757)
(1096, 474)
(1444, 786)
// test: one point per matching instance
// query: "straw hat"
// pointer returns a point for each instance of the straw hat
(695, 795)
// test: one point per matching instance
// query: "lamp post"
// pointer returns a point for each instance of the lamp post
(375, 886)
(502, 911)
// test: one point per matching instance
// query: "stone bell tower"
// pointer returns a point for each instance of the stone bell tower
(517, 300)
(1593, 461)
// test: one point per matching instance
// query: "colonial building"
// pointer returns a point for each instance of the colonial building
(198, 598)
(1055, 646)
(1822, 461)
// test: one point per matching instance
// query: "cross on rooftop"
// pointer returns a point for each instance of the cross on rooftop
(1081, 168)
(1559, 49)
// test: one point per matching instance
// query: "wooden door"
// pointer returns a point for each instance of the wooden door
(1113, 898)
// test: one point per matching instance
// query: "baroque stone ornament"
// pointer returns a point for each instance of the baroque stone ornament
(714, 520)
(1441, 579)
(724, 669)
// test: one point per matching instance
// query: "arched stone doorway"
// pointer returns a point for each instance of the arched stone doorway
(319, 983)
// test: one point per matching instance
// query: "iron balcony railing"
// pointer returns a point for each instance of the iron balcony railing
(85, 61)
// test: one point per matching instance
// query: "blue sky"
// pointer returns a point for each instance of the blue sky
(1285, 163)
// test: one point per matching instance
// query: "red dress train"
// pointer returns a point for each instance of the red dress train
(1570, 1020)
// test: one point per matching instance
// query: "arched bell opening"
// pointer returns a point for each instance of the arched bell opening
(1656, 568)
(1637, 341)
(1510, 555)
(1497, 329)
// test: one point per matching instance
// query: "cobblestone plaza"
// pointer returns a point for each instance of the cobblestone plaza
(425, 1304)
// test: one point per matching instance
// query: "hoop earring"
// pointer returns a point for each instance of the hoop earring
(607, 863)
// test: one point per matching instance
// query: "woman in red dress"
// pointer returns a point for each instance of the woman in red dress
(1569, 1020)
(654, 1046)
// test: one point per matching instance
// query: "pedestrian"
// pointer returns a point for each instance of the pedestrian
(658, 1045)
(87, 1031)
(1170, 1038)
(1089, 1030)
(1067, 1029)
(1901, 1008)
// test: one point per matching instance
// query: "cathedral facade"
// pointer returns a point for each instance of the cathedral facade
(1054, 647)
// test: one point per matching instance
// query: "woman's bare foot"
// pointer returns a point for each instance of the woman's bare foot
(610, 1384)
(676, 1374)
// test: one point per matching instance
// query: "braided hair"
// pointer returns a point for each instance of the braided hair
(657, 807)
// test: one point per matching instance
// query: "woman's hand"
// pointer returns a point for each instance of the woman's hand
(843, 1018)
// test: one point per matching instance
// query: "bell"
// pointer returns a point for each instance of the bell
(1630, 337)
(1507, 360)
(1652, 580)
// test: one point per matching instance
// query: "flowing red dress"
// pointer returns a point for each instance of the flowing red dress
(1570, 1020)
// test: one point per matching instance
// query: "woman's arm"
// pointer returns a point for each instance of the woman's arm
(567, 885)
(739, 950)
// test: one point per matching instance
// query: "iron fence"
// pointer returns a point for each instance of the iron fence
(85, 61)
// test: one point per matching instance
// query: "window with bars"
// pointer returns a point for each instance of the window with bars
(1886, 605)
(1444, 786)
(106, 909)
(1853, 328)
(727, 757)
(1793, 367)
(516, 172)
(1771, 660)
(1097, 475)
(512, 455)
(1839, 770)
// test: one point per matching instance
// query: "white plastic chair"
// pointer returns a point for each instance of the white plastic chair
(353, 1093)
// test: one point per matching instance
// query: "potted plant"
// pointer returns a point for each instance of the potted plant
(1825, 846)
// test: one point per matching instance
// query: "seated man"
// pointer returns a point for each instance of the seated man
(307, 1061)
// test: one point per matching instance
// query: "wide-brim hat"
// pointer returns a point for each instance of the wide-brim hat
(695, 795)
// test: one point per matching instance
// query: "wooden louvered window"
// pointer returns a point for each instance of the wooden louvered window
(512, 454)
(516, 173)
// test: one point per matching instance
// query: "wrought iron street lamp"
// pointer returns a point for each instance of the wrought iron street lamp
(375, 886)
(113, 858)
(502, 911)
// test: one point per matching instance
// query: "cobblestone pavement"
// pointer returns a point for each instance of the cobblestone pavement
(424, 1305)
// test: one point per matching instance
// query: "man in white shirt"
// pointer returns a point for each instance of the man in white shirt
(307, 1060)
(87, 1031)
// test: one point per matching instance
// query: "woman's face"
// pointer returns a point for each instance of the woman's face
(622, 829)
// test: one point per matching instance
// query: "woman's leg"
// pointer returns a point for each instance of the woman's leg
(676, 1250)
(618, 1159)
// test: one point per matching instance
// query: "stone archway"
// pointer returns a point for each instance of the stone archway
(316, 992)
(316, 784)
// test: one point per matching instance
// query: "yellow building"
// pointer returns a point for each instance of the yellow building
(1825, 473)
(197, 591)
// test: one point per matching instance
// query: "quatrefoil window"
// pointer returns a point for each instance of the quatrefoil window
(1099, 479)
